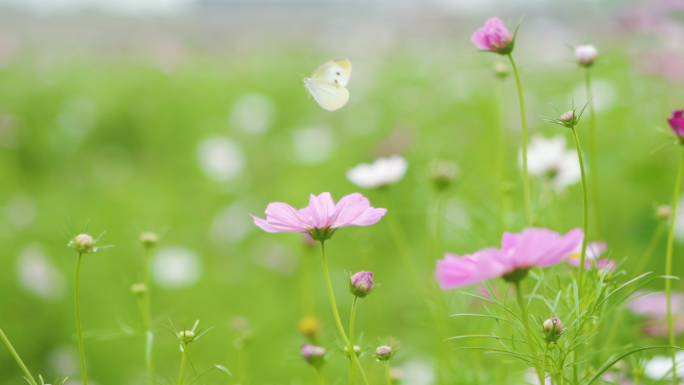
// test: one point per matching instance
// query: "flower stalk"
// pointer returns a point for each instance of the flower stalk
(27, 373)
(84, 374)
(593, 147)
(585, 200)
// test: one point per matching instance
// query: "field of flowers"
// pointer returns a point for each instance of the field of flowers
(177, 211)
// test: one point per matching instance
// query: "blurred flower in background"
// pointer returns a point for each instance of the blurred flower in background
(382, 172)
(21, 210)
(313, 145)
(220, 158)
(417, 372)
(231, 224)
(38, 274)
(252, 113)
(550, 160)
(175, 267)
(653, 306)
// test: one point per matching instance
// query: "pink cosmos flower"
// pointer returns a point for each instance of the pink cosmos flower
(361, 283)
(677, 123)
(654, 307)
(322, 217)
(533, 247)
(594, 251)
(493, 37)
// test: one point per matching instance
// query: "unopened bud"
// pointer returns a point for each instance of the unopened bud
(83, 243)
(567, 116)
(310, 326)
(149, 239)
(187, 336)
(357, 351)
(501, 70)
(553, 328)
(314, 355)
(139, 288)
(664, 212)
(361, 283)
(443, 173)
(383, 353)
(586, 54)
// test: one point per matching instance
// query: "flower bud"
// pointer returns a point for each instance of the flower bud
(663, 212)
(139, 288)
(553, 328)
(361, 283)
(314, 355)
(442, 173)
(310, 326)
(567, 116)
(383, 353)
(187, 336)
(586, 54)
(357, 351)
(149, 239)
(501, 70)
(83, 243)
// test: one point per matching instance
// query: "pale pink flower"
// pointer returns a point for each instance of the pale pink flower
(322, 217)
(533, 247)
(653, 306)
(592, 254)
(493, 37)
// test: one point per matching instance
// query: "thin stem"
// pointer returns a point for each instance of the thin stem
(531, 341)
(585, 225)
(336, 315)
(594, 155)
(501, 156)
(321, 379)
(81, 351)
(147, 315)
(668, 265)
(352, 352)
(14, 353)
(657, 235)
(181, 376)
(389, 374)
(523, 119)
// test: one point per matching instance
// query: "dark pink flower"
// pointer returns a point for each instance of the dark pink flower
(493, 37)
(322, 217)
(533, 247)
(677, 123)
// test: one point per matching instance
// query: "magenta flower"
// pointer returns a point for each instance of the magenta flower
(533, 247)
(493, 37)
(677, 123)
(594, 251)
(361, 283)
(322, 217)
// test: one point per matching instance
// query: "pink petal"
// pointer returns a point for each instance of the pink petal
(273, 228)
(369, 217)
(454, 271)
(286, 215)
(348, 209)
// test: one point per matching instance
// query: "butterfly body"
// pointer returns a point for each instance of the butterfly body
(328, 83)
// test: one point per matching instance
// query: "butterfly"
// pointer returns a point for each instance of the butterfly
(327, 84)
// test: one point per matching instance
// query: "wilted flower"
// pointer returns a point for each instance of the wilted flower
(591, 256)
(533, 247)
(384, 353)
(361, 283)
(382, 172)
(493, 37)
(314, 355)
(586, 54)
(322, 217)
(549, 159)
(677, 123)
(309, 326)
(553, 328)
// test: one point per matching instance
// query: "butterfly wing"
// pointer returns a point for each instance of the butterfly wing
(337, 71)
(328, 94)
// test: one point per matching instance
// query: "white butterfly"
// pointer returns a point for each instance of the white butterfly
(327, 84)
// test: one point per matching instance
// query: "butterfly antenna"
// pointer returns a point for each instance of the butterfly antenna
(295, 72)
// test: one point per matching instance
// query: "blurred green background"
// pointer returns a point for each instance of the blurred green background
(185, 125)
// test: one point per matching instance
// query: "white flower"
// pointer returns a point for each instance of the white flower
(176, 267)
(661, 367)
(548, 158)
(417, 372)
(313, 145)
(38, 274)
(384, 171)
(220, 158)
(231, 225)
(586, 54)
(252, 113)
(21, 211)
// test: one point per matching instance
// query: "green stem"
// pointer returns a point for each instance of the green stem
(352, 352)
(336, 315)
(14, 353)
(501, 157)
(668, 265)
(389, 374)
(594, 155)
(321, 380)
(147, 316)
(181, 376)
(531, 341)
(585, 225)
(523, 119)
(81, 351)
(657, 235)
